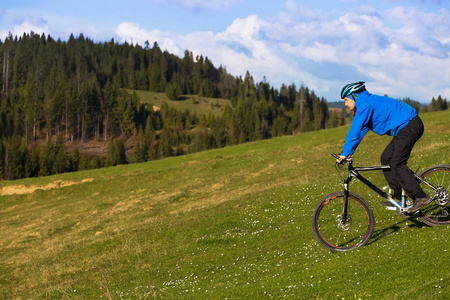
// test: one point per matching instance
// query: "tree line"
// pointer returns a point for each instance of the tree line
(57, 95)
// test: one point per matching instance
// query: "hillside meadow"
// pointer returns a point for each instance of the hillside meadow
(230, 223)
(194, 103)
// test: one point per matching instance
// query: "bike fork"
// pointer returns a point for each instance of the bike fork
(345, 203)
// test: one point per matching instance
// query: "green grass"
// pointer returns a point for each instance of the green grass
(228, 223)
(194, 103)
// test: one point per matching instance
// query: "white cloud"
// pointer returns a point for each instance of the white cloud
(25, 27)
(20, 22)
(317, 52)
(402, 51)
(425, 32)
(134, 33)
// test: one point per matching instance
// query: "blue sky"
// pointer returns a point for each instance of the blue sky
(399, 47)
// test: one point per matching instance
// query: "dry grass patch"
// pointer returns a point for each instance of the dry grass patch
(22, 189)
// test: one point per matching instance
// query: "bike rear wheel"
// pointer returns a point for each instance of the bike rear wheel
(338, 236)
(438, 211)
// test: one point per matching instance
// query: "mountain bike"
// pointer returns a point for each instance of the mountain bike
(343, 220)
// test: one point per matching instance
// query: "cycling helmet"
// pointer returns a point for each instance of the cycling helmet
(356, 87)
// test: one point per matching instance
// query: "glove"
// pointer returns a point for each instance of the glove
(341, 159)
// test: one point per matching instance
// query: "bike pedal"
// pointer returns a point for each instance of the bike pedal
(391, 208)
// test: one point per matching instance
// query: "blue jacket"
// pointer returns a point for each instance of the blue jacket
(382, 115)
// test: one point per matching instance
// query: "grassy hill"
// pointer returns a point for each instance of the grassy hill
(228, 223)
(194, 103)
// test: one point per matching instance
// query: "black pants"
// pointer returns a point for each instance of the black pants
(396, 155)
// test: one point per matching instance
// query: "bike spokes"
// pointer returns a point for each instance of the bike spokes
(438, 211)
(338, 234)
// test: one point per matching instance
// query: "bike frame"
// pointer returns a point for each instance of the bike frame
(354, 172)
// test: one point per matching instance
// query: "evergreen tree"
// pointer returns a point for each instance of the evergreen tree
(47, 158)
(32, 165)
(125, 114)
(15, 154)
(2, 160)
(165, 147)
(61, 163)
(334, 120)
(121, 152)
(172, 92)
(75, 159)
(141, 148)
(116, 154)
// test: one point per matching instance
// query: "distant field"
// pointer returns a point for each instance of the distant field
(192, 102)
(230, 223)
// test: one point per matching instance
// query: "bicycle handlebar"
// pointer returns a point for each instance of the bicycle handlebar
(346, 160)
(335, 155)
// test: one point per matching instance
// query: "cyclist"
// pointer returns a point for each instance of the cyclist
(385, 115)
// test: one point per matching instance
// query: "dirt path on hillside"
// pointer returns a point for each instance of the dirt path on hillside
(22, 189)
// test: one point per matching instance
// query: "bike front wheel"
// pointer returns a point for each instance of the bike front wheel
(339, 235)
(438, 211)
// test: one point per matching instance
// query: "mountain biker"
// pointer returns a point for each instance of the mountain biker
(385, 115)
